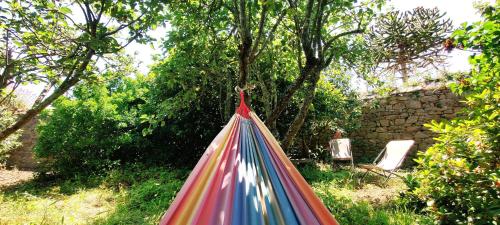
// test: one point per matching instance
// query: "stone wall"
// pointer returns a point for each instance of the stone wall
(402, 116)
(22, 157)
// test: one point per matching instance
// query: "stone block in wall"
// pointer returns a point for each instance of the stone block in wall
(421, 135)
(371, 135)
(384, 136)
(419, 112)
(430, 98)
(429, 92)
(411, 119)
(412, 129)
(444, 102)
(391, 117)
(406, 136)
(399, 121)
(384, 122)
(414, 104)
(398, 106)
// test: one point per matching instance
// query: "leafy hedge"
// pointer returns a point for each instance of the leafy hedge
(7, 117)
(459, 176)
(98, 129)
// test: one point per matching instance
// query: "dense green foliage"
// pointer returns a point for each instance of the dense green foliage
(97, 129)
(7, 117)
(460, 175)
(105, 125)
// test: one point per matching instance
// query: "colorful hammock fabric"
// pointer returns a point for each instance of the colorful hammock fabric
(244, 177)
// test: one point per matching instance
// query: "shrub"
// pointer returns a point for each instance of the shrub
(460, 175)
(7, 117)
(98, 129)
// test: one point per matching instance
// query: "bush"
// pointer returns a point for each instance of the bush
(460, 175)
(98, 129)
(7, 117)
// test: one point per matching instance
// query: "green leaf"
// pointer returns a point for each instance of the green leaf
(65, 10)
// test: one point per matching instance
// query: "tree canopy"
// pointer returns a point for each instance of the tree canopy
(405, 41)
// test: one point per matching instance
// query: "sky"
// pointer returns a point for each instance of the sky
(458, 11)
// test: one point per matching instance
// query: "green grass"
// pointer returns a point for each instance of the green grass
(139, 195)
(367, 201)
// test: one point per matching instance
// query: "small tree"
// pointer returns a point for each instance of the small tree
(404, 41)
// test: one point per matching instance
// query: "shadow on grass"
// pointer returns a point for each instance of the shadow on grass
(47, 187)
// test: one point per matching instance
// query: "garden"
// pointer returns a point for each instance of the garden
(238, 112)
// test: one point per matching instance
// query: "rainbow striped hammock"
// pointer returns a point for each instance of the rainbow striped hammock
(244, 177)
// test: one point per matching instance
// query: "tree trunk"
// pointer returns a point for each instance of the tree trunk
(244, 66)
(65, 86)
(301, 116)
(283, 102)
(404, 72)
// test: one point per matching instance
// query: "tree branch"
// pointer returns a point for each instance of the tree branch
(262, 21)
(271, 34)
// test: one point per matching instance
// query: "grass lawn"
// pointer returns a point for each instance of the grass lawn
(139, 195)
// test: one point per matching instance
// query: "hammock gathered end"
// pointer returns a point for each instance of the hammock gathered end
(245, 178)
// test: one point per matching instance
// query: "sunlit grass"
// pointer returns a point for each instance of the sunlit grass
(53, 207)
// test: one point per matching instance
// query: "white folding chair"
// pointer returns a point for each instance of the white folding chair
(341, 150)
(393, 156)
